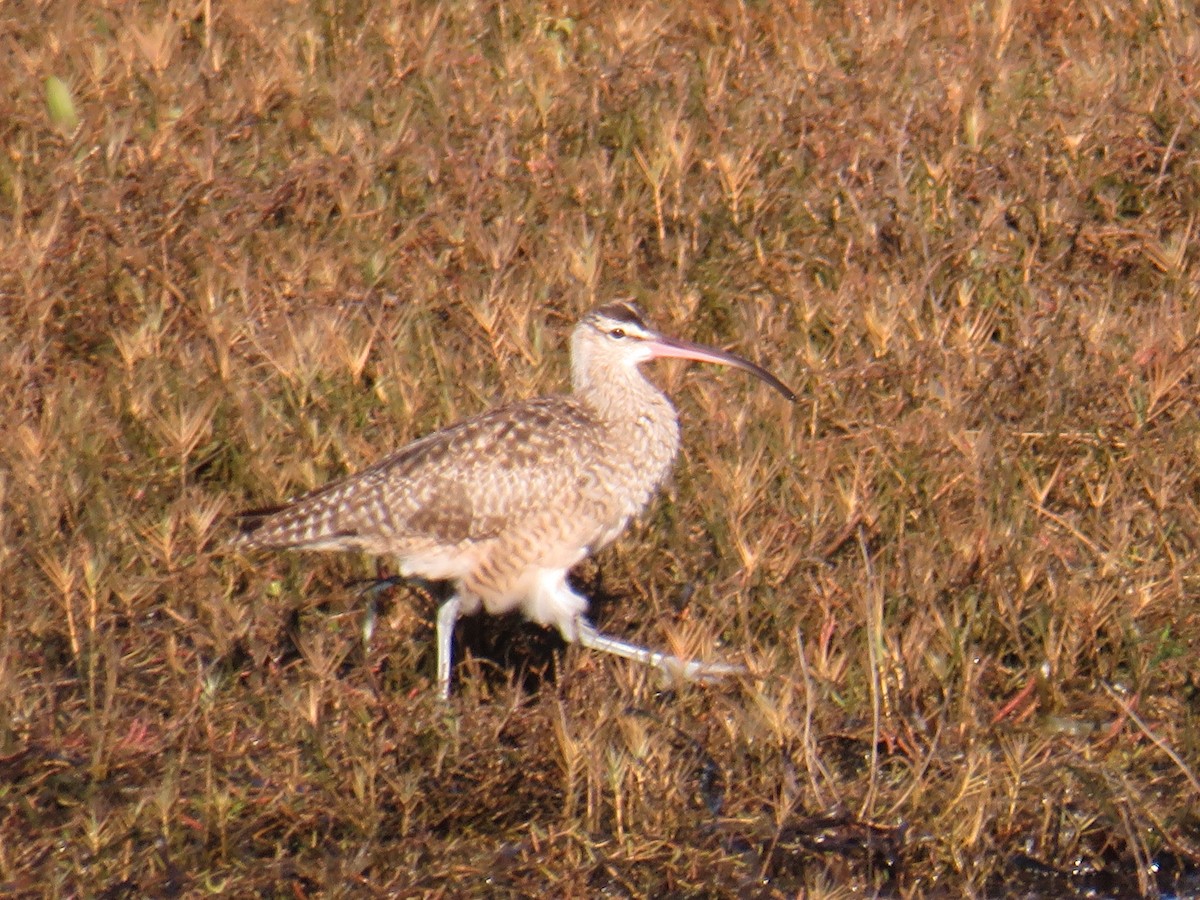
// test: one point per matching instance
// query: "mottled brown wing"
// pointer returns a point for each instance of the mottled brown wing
(468, 482)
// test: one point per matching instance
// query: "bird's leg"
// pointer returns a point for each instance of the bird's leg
(588, 636)
(446, 618)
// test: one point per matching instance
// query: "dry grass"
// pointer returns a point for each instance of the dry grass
(248, 247)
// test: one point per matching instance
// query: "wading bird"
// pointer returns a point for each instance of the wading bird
(503, 504)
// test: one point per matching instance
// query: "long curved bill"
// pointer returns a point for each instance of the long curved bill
(662, 346)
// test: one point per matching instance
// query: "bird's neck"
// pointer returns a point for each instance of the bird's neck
(640, 432)
(640, 428)
(623, 397)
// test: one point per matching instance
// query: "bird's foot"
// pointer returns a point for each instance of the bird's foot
(373, 587)
(694, 670)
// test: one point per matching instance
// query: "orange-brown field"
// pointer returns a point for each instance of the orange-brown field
(248, 247)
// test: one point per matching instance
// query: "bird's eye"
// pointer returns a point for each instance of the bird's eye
(617, 333)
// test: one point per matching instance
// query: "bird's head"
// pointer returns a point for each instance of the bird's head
(614, 338)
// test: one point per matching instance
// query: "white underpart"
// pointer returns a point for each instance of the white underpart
(550, 601)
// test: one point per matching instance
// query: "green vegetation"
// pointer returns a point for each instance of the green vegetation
(245, 248)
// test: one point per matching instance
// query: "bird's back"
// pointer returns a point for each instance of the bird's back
(469, 483)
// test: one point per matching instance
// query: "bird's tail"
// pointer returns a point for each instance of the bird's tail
(310, 523)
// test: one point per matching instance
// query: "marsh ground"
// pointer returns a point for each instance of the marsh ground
(248, 247)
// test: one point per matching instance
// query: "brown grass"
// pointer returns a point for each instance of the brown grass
(246, 247)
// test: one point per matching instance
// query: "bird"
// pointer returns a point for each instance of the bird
(503, 504)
